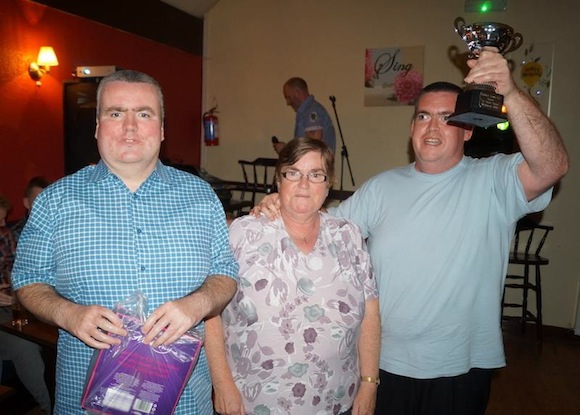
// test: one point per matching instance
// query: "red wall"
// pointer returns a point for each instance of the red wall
(31, 117)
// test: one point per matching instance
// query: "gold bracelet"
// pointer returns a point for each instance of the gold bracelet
(370, 379)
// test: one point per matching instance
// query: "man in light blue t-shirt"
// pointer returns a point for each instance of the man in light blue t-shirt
(439, 232)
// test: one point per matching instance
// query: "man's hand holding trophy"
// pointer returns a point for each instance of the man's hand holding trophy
(480, 105)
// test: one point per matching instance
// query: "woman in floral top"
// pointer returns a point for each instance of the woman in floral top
(302, 333)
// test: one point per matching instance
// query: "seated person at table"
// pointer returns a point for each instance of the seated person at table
(25, 355)
(303, 326)
(35, 185)
(5, 207)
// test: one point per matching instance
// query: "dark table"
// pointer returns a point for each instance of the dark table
(43, 334)
(36, 331)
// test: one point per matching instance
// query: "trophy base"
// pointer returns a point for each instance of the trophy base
(479, 107)
(477, 119)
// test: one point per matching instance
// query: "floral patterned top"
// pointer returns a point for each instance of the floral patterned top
(292, 328)
(7, 253)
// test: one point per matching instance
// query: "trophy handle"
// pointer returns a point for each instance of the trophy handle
(515, 43)
(459, 24)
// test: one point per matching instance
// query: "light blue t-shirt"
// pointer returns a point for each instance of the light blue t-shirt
(439, 245)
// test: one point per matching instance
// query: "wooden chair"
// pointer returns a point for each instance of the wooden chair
(526, 257)
(237, 207)
(259, 176)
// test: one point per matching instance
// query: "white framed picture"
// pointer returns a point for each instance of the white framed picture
(533, 70)
(393, 76)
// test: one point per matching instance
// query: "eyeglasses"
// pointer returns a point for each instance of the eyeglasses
(296, 176)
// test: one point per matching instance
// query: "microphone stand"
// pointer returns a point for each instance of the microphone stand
(344, 151)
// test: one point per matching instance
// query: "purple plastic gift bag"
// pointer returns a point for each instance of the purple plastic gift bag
(135, 378)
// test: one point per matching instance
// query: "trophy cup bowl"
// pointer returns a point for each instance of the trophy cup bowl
(483, 34)
(479, 104)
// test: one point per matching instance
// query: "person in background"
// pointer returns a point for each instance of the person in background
(304, 324)
(35, 185)
(312, 119)
(439, 232)
(5, 206)
(7, 251)
(25, 355)
(124, 225)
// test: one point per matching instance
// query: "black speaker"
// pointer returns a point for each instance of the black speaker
(80, 109)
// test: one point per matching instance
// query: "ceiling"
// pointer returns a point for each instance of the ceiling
(196, 8)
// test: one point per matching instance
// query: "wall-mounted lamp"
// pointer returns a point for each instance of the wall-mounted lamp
(46, 59)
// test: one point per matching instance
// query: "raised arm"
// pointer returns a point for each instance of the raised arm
(546, 159)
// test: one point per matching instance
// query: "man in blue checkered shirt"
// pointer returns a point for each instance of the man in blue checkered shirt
(127, 224)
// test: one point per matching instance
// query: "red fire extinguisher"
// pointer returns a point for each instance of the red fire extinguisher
(211, 127)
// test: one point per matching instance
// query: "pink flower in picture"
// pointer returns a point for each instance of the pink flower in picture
(407, 86)
(369, 68)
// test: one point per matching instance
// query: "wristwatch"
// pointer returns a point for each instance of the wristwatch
(370, 379)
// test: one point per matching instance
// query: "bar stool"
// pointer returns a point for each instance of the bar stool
(529, 240)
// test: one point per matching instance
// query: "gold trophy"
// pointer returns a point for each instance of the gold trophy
(479, 104)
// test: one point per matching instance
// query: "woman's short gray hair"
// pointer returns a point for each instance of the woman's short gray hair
(298, 147)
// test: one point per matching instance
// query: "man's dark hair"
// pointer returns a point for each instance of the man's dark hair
(440, 86)
(297, 83)
(37, 181)
(5, 203)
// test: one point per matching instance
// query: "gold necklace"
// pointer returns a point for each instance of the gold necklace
(305, 238)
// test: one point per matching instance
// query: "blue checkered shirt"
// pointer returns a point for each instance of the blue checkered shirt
(97, 242)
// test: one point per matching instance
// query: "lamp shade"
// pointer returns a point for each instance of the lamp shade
(46, 56)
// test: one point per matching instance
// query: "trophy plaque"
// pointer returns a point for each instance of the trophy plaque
(479, 104)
